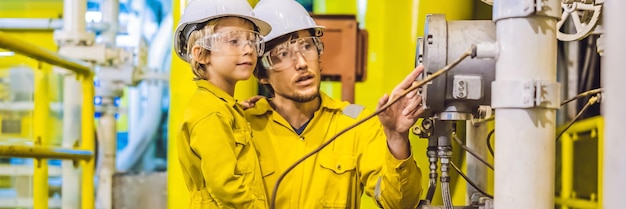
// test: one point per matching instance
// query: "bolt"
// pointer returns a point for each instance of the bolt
(461, 94)
(461, 83)
(426, 124)
(429, 39)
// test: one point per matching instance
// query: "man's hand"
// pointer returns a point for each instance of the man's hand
(249, 103)
(402, 115)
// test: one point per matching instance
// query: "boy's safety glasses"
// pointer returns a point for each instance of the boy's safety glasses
(233, 42)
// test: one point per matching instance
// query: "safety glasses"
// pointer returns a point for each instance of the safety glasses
(285, 55)
(232, 42)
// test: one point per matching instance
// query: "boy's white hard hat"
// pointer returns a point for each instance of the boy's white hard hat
(285, 16)
(201, 11)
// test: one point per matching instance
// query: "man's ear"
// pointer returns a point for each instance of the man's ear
(264, 81)
(201, 55)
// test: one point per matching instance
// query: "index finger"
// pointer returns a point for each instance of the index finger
(408, 80)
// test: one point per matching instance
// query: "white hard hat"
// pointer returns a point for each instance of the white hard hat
(285, 16)
(200, 11)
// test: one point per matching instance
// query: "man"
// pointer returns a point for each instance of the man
(298, 118)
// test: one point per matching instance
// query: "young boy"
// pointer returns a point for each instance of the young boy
(221, 40)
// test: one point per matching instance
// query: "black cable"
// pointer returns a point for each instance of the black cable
(458, 141)
(489, 147)
(383, 108)
(470, 181)
(590, 102)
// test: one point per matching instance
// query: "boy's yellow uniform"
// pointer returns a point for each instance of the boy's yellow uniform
(216, 153)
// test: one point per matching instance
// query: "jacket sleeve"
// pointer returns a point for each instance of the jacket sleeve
(213, 140)
(391, 182)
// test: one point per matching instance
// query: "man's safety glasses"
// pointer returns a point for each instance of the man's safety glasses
(285, 55)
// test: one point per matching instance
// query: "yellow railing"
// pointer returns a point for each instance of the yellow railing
(568, 199)
(41, 114)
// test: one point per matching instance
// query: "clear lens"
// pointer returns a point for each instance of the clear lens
(286, 54)
(233, 42)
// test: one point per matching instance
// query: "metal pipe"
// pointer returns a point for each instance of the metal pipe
(577, 203)
(107, 130)
(107, 136)
(476, 170)
(41, 114)
(72, 97)
(39, 53)
(524, 174)
(567, 169)
(110, 16)
(38, 151)
(88, 143)
(74, 15)
(614, 168)
(45, 24)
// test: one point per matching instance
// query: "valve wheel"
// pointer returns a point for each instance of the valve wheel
(584, 18)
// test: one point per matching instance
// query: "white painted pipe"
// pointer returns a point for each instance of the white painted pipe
(42, 24)
(476, 134)
(144, 124)
(110, 16)
(107, 132)
(525, 138)
(614, 168)
(72, 101)
(107, 126)
(74, 15)
(74, 20)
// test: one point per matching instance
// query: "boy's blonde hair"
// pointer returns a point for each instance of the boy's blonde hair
(199, 69)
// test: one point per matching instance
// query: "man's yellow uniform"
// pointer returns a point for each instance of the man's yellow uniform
(216, 154)
(358, 161)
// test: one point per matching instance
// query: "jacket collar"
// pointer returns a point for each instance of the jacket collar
(263, 106)
(204, 84)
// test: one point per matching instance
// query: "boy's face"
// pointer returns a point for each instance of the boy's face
(231, 59)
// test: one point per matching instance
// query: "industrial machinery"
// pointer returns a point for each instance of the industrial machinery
(454, 96)
(516, 78)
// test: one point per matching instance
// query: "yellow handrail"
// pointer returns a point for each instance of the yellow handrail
(88, 143)
(26, 151)
(40, 53)
(41, 113)
(41, 116)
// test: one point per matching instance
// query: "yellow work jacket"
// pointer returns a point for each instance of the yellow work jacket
(219, 162)
(356, 162)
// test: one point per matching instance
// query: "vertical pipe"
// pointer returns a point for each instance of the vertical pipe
(524, 171)
(601, 132)
(180, 90)
(107, 124)
(88, 143)
(110, 15)
(567, 168)
(107, 135)
(41, 116)
(476, 170)
(613, 75)
(73, 23)
(74, 15)
(71, 134)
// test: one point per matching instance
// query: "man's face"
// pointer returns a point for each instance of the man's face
(299, 79)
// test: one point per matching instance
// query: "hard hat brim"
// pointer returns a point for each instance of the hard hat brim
(264, 29)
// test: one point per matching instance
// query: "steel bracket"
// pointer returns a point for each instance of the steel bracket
(525, 94)
(503, 9)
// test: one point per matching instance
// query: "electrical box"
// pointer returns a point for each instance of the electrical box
(345, 51)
